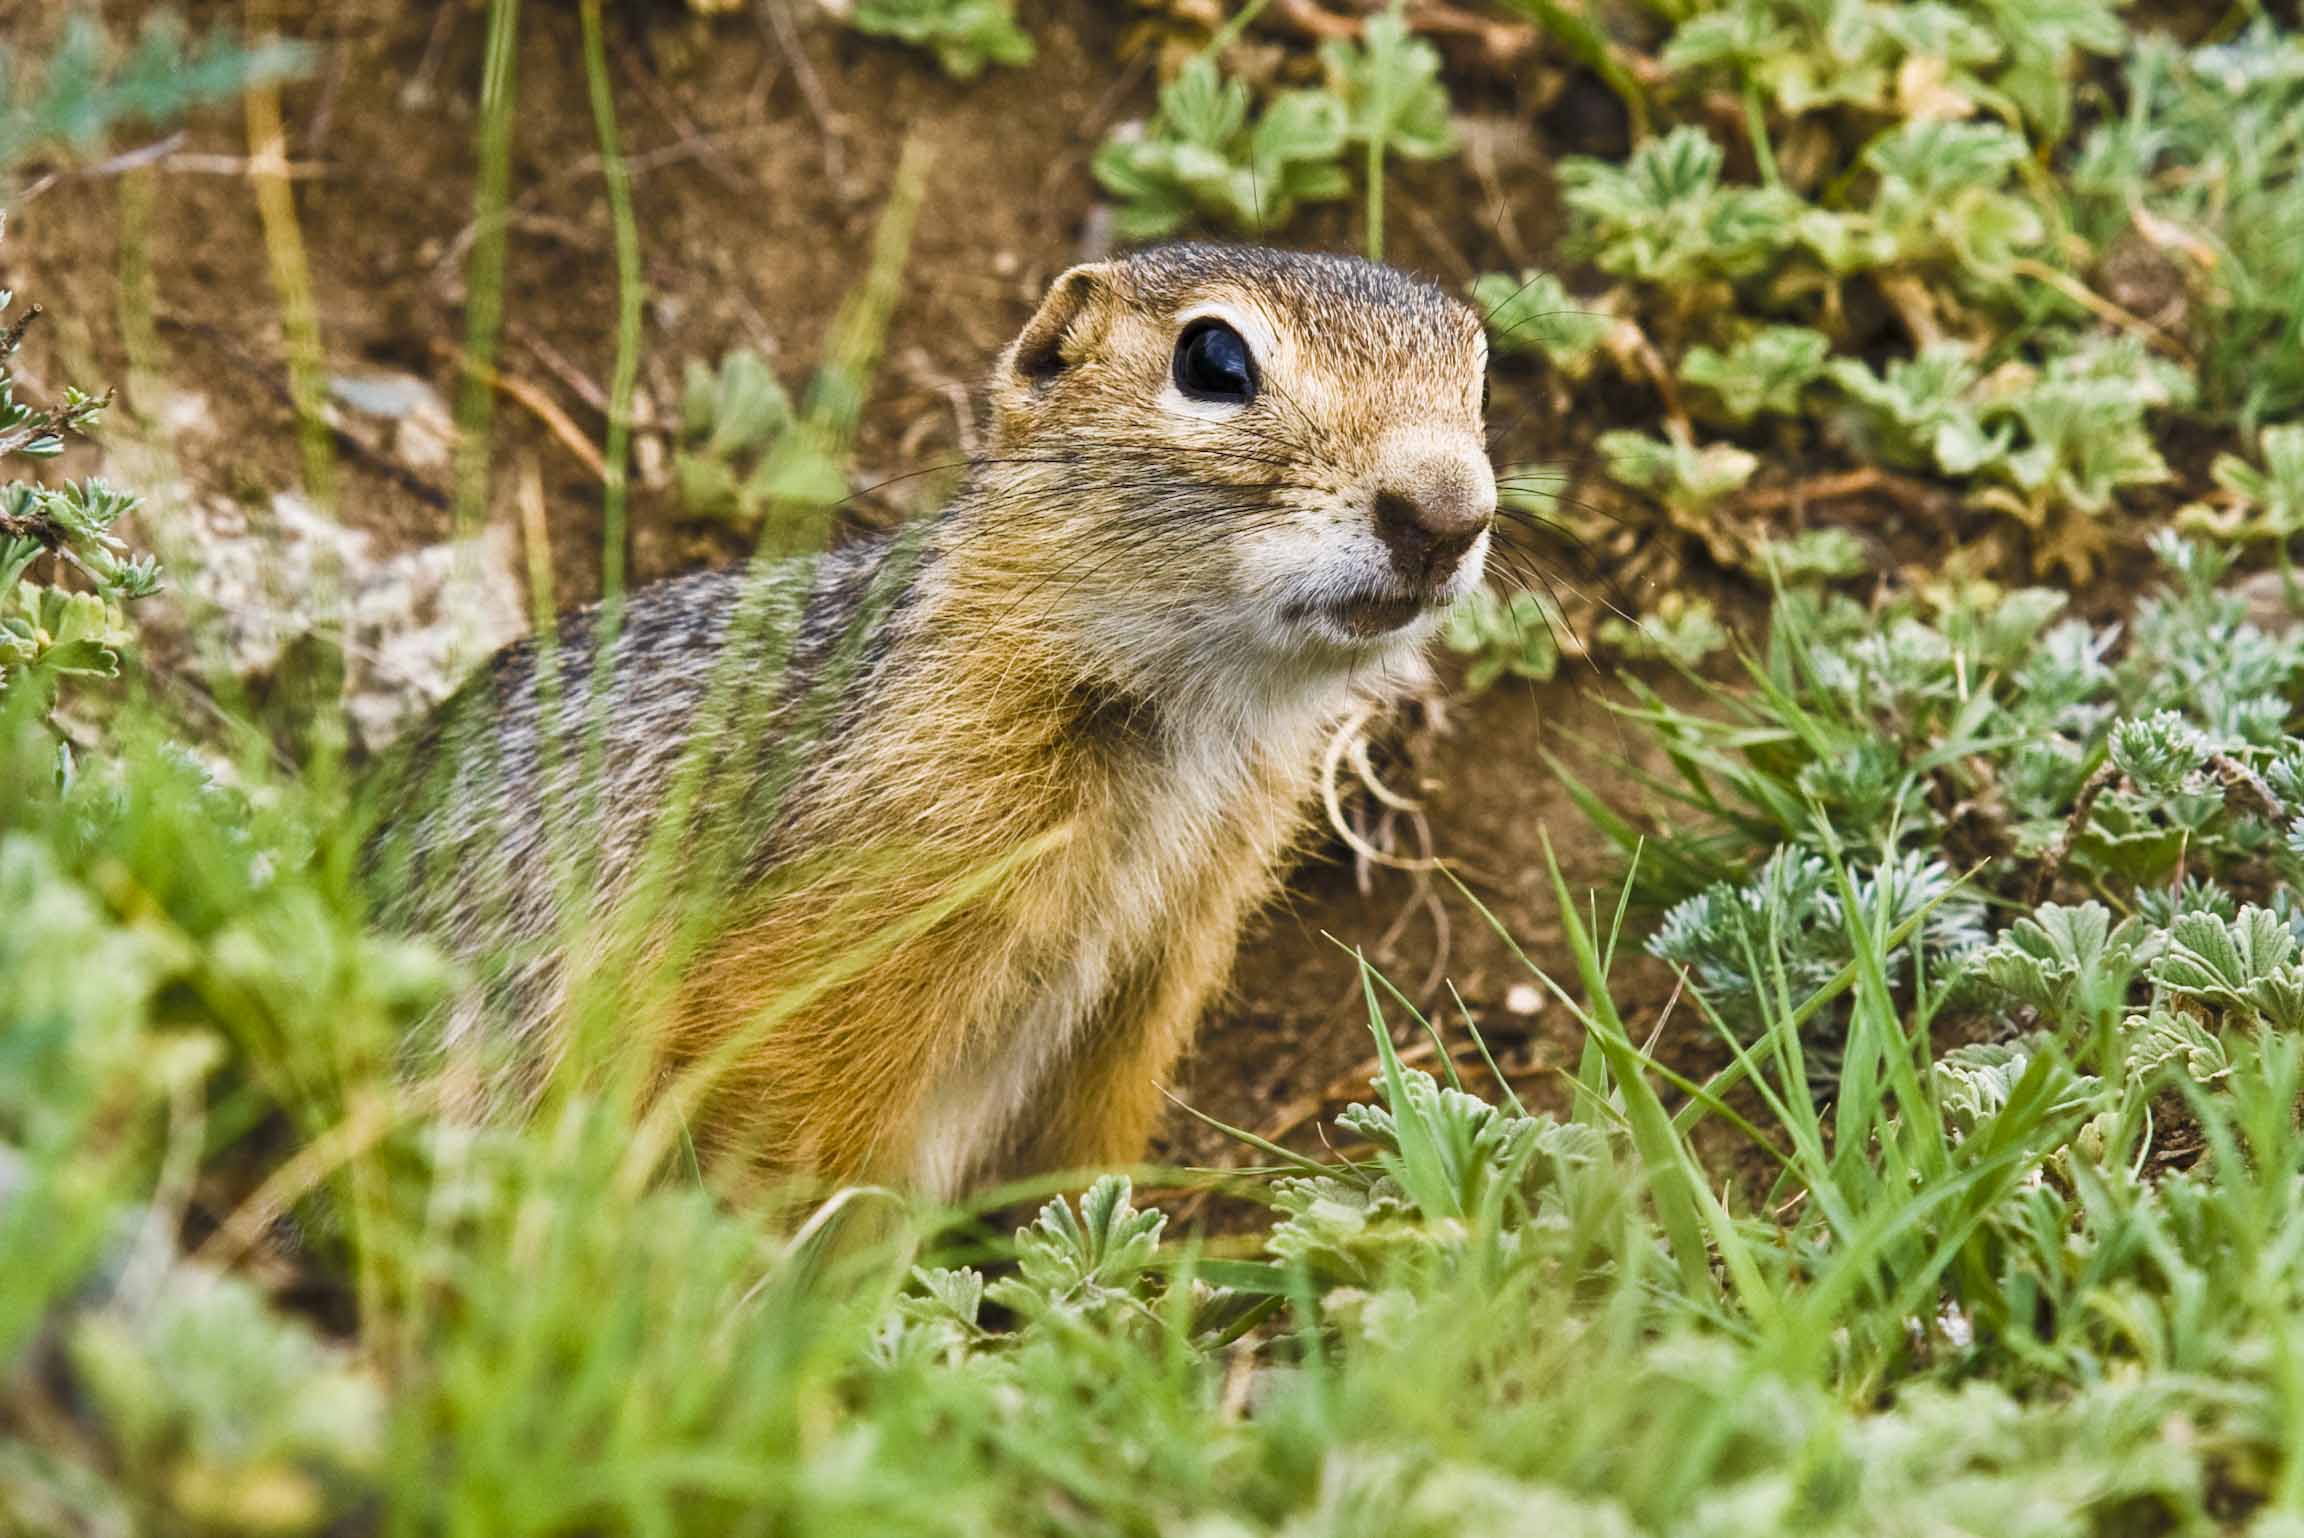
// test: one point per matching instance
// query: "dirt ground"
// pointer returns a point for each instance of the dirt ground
(763, 147)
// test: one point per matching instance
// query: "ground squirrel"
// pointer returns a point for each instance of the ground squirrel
(1065, 732)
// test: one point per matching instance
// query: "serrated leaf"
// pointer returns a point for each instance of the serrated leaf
(2223, 962)
(1390, 88)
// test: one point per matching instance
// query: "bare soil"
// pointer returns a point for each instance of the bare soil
(762, 154)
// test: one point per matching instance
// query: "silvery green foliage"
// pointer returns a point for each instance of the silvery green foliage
(1688, 478)
(1450, 1176)
(1665, 216)
(1085, 1263)
(1940, 199)
(2264, 503)
(1505, 637)
(239, 1417)
(936, 1320)
(2229, 105)
(1803, 64)
(2209, 966)
(1768, 370)
(1886, 59)
(1976, 1082)
(1742, 284)
(966, 35)
(2068, 963)
(1208, 154)
(1982, 713)
(2066, 435)
(86, 87)
(745, 449)
(1389, 84)
(71, 1025)
(1942, 195)
(1680, 628)
(1756, 949)
(206, 1407)
(1446, 1163)
(1536, 314)
(2196, 650)
(2162, 1038)
(56, 628)
(1919, 411)
(2244, 966)
(1378, 1492)
(1084, 1268)
(2160, 755)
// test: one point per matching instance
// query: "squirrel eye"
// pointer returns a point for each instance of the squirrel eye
(1213, 364)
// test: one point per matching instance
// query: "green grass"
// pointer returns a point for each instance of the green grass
(1988, 1226)
(1974, 1293)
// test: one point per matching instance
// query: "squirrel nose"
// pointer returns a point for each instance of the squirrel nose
(1428, 530)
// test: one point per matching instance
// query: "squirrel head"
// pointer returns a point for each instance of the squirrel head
(1213, 450)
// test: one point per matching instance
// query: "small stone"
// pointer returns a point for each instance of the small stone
(384, 395)
(423, 432)
(413, 623)
(649, 463)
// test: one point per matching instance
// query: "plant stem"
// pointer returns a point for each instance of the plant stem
(1756, 128)
(484, 275)
(1222, 37)
(630, 292)
(1375, 210)
(615, 459)
(291, 280)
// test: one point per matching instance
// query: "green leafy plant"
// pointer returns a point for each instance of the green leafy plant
(240, 1414)
(1665, 216)
(744, 448)
(1922, 412)
(1900, 148)
(1207, 154)
(1783, 935)
(1393, 101)
(2261, 504)
(1688, 480)
(1814, 556)
(1942, 195)
(1766, 371)
(85, 87)
(1800, 59)
(965, 34)
(1085, 1263)
(1536, 314)
(1679, 629)
(2068, 963)
(1210, 153)
(1977, 719)
(2201, 181)
(1506, 637)
(71, 624)
(2052, 447)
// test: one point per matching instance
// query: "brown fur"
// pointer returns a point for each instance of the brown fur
(975, 932)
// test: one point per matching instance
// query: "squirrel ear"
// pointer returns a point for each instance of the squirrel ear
(1056, 336)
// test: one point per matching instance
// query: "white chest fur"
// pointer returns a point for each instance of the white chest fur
(1192, 821)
